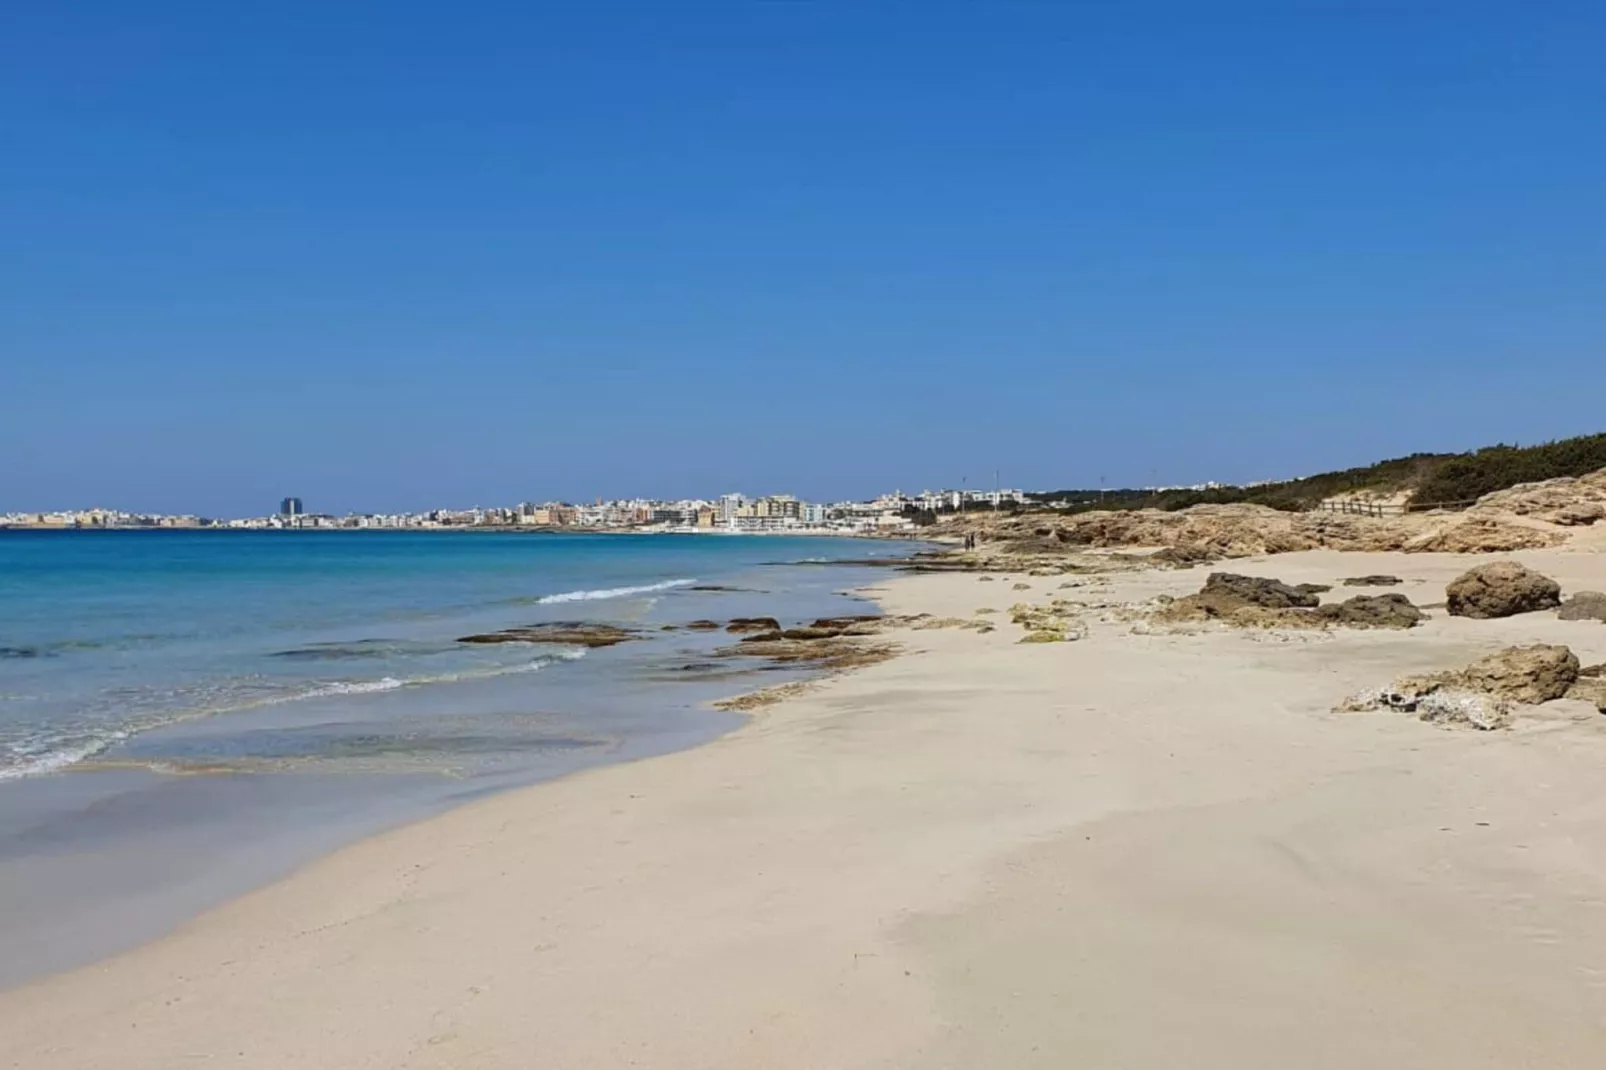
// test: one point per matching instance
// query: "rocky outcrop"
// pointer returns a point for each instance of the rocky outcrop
(1257, 602)
(1565, 502)
(1585, 605)
(1372, 581)
(746, 625)
(1591, 690)
(703, 626)
(1373, 611)
(1531, 674)
(1485, 694)
(1500, 589)
(1226, 591)
(1477, 535)
(570, 633)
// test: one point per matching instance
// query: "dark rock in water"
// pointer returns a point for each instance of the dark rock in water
(761, 637)
(812, 633)
(715, 587)
(1585, 605)
(703, 626)
(1373, 611)
(669, 627)
(1501, 589)
(1226, 591)
(18, 652)
(573, 633)
(845, 622)
(739, 625)
(1372, 581)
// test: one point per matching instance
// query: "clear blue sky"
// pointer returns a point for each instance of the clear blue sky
(404, 254)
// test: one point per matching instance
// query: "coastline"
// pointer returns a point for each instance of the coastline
(1135, 849)
(116, 837)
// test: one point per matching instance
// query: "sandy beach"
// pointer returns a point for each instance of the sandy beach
(1132, 850)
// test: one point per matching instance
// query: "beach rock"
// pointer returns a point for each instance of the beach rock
(1373, 611)
(1313, 588)
(1591, 689)
(810, 633)
(846, 622)
(1501, 589)
(1021, 587)
(1581, 514)
(838, 653)
(571, 633)
(741, 625)
(1226, 591)
(1592, 671)
(703, 626)
(1435, 703)
(1483, 535)
(1372, 581)
(1531, 674)
(1585, 605)
(1483, 712)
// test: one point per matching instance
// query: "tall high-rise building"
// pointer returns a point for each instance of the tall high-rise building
(291, 508)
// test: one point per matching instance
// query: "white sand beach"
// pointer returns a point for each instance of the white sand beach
(1133, 850)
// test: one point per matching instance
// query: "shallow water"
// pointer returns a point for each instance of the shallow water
(184, 715)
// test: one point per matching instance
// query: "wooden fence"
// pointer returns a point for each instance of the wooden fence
(1364, 508)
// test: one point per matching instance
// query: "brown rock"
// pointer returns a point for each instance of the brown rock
(1585, 605)
(1373, 611)
(741, 625)
(1501, 589)
(1372, 581)
(573, 633)
(1226, 591)
(1530, 674)
(1590, 689)
(703, 626)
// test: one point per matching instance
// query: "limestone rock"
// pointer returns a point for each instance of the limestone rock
(1501, 589)
(741, 625)
(1373, 611)
(1372, 581)
(1585, 605)
(1227, 591)
(1589, 689)
(571, 633)
(1531, 674)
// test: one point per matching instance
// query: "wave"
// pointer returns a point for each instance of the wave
(611, 592)
(51, 753)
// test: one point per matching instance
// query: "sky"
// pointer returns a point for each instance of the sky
(412, 254)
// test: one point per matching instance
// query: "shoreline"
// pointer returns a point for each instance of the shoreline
(1134, 849)
(189, 812)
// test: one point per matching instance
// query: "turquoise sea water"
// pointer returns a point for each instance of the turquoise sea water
(107, 636)
(184, 715)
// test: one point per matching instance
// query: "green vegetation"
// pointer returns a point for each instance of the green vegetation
(1450, 479)
(1469, 476)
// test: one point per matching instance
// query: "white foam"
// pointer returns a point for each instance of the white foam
(610, 592)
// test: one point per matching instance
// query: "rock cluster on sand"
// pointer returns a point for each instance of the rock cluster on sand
(1373, 611)
(1258, 602)
(1501, 589)
(1585, 605)
(571, 633)
(1372, 581)
(1051, 623)
(1485, 693)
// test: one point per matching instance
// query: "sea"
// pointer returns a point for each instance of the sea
(185, 715)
